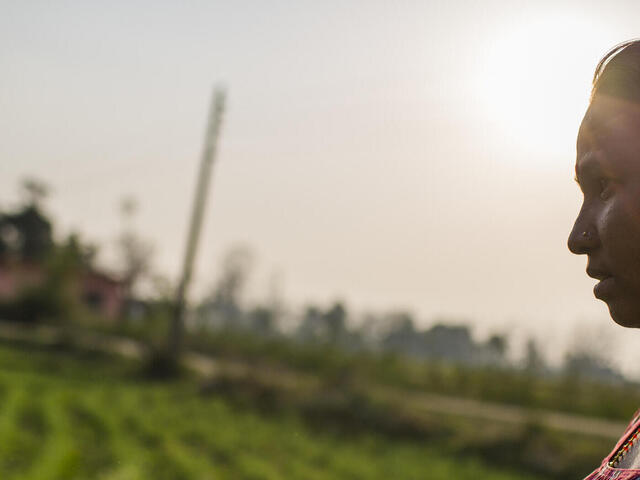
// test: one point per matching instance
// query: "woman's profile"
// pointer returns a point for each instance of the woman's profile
(607, 229)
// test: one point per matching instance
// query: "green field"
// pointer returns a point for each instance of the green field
(66, 415)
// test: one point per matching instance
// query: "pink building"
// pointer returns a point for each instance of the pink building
(102, 293)
(16, 276)
(98, 291)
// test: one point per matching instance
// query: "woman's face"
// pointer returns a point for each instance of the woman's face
(607, 229)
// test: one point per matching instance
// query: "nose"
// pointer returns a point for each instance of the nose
(584, 236)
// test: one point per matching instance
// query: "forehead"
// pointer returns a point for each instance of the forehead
(610, 130)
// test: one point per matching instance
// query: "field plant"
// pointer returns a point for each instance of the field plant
(77, 415)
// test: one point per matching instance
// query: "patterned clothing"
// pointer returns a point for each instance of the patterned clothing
(605, 472)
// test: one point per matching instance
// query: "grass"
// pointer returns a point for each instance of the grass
(73, 415)
(560, 392)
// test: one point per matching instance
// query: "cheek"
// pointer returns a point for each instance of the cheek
(620, 236)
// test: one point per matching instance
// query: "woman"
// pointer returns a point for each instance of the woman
(607, 229)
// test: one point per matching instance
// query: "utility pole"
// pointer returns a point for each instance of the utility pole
(204, 175)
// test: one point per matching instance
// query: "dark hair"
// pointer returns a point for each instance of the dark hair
(618, 73)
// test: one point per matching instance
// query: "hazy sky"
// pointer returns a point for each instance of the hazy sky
(392, 154)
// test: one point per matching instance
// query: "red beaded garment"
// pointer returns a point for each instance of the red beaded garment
(608, 470)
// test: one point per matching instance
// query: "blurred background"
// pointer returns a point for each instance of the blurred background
(381, 285)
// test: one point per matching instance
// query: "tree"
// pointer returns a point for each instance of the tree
(83, 254)
(309, 328)
(26, 236)
(34, 191)
(534, 362)
(450, 342)
(335, 322)
(590, 357)
(135, 251)
(328, 326)
(224, 304)
(590, 365)
(262, 320)
(495, 349)
(27, 233)
(402, 335)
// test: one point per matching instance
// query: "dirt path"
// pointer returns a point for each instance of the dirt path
(413, 402)
(496, 412)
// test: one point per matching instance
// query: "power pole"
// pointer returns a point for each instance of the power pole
(204, 176)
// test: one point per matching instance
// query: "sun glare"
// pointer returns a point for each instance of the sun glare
(533, 83)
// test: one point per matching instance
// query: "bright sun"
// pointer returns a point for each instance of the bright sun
(534, 82)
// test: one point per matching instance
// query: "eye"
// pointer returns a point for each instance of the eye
(605, 188)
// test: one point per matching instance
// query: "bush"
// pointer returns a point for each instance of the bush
(36, 304)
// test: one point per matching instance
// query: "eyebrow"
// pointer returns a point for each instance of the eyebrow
(589, 166)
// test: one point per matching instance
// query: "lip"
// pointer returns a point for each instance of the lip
(598, 273)
(604, 288)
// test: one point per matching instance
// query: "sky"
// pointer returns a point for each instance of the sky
(394, 155)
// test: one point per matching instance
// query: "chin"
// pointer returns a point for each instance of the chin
(624, 315)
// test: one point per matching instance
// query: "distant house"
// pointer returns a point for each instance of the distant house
(16, 276)
(100, 292)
